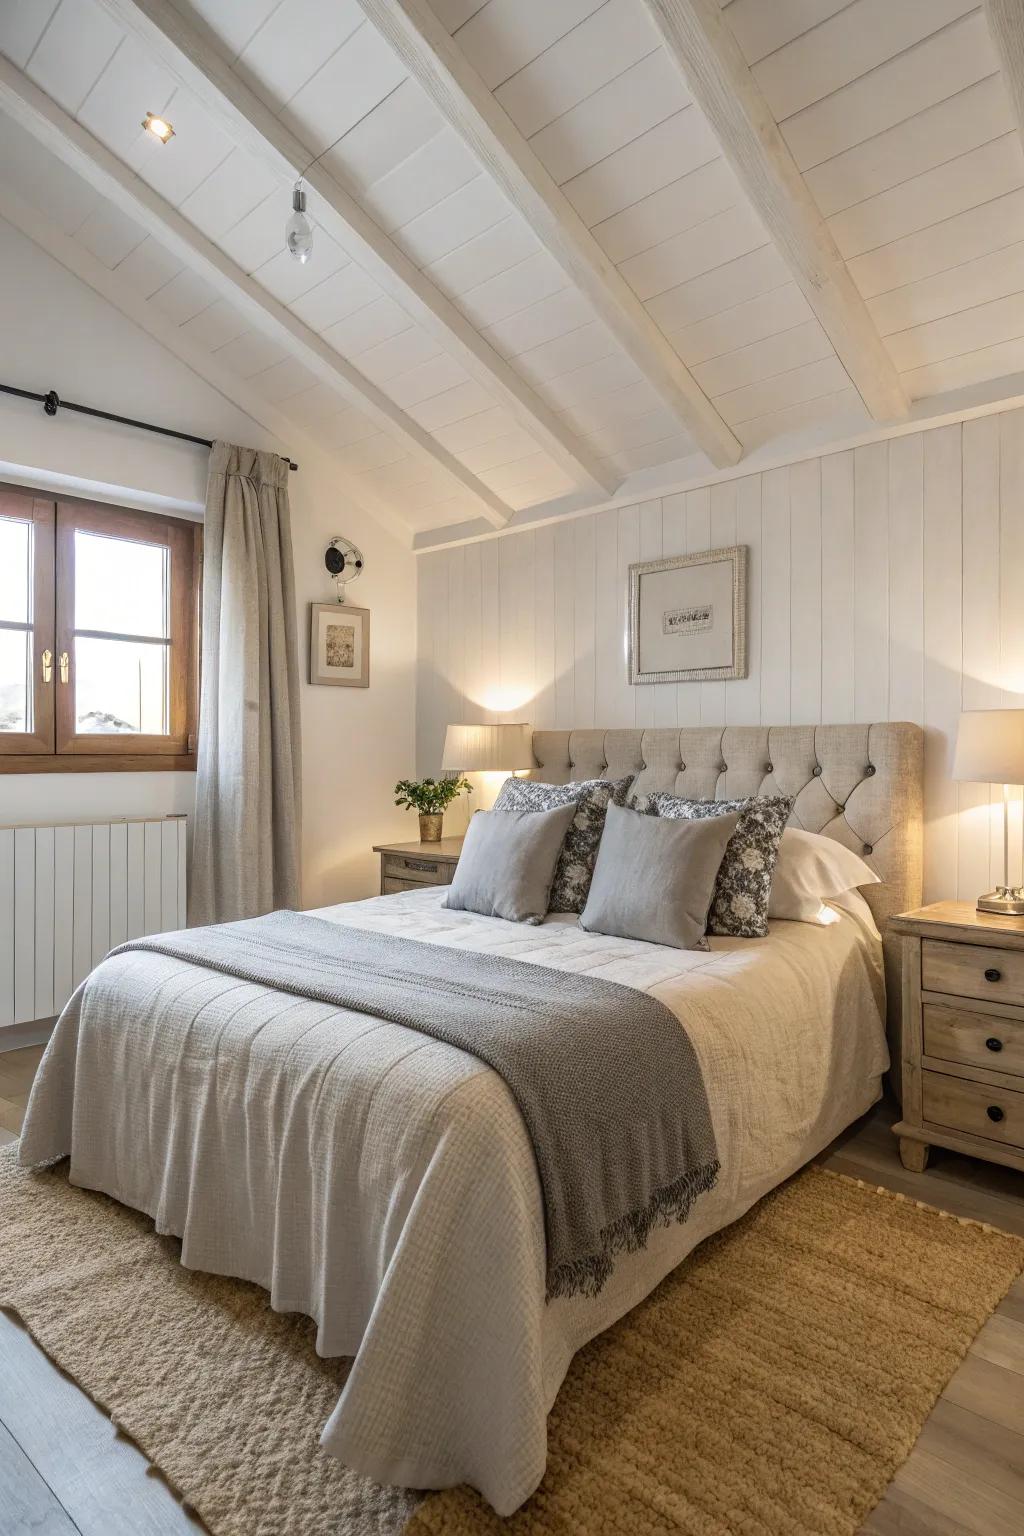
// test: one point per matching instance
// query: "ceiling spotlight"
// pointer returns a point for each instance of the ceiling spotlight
(298, 232)
(159, 127)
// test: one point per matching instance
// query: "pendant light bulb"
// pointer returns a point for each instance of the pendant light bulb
(298, 232)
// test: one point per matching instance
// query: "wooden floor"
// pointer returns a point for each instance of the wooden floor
(965, 1476)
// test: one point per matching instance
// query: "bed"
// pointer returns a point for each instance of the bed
(383, 1183)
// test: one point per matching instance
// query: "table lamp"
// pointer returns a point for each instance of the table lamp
(990, 750)
(488, 748)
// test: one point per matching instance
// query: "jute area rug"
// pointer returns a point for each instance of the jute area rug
(772, 1385)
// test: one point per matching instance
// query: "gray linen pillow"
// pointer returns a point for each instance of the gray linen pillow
(655, 877)
(739, 909)
(591, 797)
(508, 862)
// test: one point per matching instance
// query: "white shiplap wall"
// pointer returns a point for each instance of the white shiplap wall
(885, 583)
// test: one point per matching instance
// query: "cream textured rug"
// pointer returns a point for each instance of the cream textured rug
(773, 1384)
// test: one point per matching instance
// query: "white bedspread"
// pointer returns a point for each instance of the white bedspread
(384, 1183)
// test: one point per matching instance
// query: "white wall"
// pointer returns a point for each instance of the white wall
(57, 334)
(886, 583)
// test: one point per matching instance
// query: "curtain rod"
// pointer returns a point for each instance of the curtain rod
(51, 403)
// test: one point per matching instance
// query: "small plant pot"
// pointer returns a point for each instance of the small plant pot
(430, 827)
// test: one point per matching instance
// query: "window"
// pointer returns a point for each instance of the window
(98, 637)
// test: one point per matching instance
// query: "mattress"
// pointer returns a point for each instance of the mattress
(384, 1184)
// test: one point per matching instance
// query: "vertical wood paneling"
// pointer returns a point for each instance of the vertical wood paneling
(775, 563)
(697, 535)
(525, 687)
(979, 863)
(743, 696)
(628, 554)
(906, 577)
(871, 582)
(942, 649)
(650, 549)
(608, 637)
(543, 711)
(673, 542)
(837, 666)
(805, 593)
(721, 535)
(472, 655)
(490, 621)
(1011, 579)
(585, 623)
(564, 603)
(42, 1001)
(455, 671)
(885, 583)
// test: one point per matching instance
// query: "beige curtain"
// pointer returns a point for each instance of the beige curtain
(245, 842)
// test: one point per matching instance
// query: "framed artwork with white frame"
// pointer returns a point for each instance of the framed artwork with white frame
(688, 617)
(339, 645)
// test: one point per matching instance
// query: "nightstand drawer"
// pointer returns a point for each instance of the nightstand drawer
(977, 1039)
(957, 1104)
(972, 970)
(389, 887)
(419, 870)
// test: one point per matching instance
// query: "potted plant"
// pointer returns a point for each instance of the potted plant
(431, 797)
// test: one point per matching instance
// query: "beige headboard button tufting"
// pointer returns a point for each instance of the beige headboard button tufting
(861, 784)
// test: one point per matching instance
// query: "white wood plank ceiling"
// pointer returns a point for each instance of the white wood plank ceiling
(541, 277)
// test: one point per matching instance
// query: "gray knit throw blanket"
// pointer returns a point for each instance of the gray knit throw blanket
(605, 1077)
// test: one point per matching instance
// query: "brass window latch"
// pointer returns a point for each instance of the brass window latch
(47, 660)
(64, 664)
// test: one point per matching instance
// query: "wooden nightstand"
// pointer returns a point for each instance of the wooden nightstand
(963, 1034)
(408, 866)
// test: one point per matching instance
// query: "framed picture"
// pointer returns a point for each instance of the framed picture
(339, 645)
(688, 617)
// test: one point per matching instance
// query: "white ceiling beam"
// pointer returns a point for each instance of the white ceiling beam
(40, 116)
(700, 42)
(455, 88)
(79, 261)
(1006, 28)
(190, 52)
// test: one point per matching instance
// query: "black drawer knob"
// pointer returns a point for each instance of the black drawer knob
(993, 1044)
(992, 974)
(995, 1113)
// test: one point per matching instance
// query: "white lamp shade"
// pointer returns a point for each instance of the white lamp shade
(990, 746)
(488, 748)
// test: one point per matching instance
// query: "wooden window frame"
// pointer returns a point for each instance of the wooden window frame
(28, 746)
(55, 746)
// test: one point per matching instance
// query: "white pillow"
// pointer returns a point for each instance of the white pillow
(810, 870)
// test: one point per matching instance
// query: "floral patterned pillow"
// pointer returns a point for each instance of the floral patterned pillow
(575, 868)
(739, 907)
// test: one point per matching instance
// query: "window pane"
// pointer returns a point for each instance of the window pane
(121, 688)
(15, 694)
(15, 571)
(120, 586)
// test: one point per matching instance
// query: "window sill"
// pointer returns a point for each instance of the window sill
(77, 762)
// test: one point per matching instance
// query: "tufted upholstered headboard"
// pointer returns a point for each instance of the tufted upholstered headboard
(861, 784)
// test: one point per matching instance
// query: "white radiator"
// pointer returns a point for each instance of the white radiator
(68, 894)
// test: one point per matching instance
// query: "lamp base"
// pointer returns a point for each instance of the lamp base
(1003, 901)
